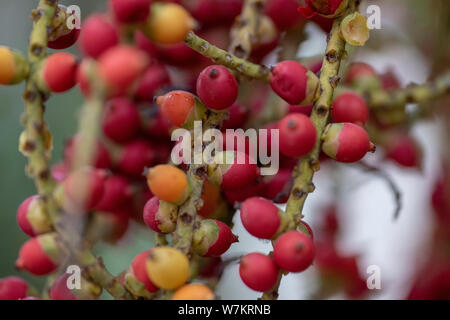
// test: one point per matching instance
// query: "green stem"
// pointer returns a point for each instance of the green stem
(248, 69)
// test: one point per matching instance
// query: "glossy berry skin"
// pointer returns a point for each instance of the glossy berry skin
(177, 106)
(130, 11)
(297, 135)
(138, 266)
(154, 79)
(13, 288)
(213, 238)
(59, 71)
(193, 291)
(293, 251)
(258, 272)
(260, 217)
(97, 36)
(239, 173)
(345, 142)
(350, 107)
(167, 267)
(22, 219)
(135, 157)
(117, 190)
(34, 259)
(290, 80)
(283, 13)
(168, 183)
(121, 66)
(121, 120)
(217, 88)
(84, 187)
(405, 151)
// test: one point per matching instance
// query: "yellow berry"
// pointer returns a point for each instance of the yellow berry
(168, 268)
(193, 291)
(169, 23)
(7, 65)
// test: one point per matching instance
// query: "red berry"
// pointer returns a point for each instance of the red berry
(145, 44)
(211, 197)
(84, 187)
(359, 70)
(135, 157)
(327, 8)
(139, 269)
(212, 238)
(154, 79)
(306, 110)
(121, 121)
(324, 23)
(160, 216)
(22, 219)
(59, 71)
(237, 117)
(59, 289)
(277, 187)
(240, 172)
(440, 199)
(117, 190)
(389, 80)
(13, 288)
(260, 217)
(217, 88)
(179, 107)
(66, 37)
(34, 257)
(293, 251)
(177, 54)
(283, 13)
(405, 151)
(97, 36)
(258, 271)
(345, 142)
(294, 83)
(102, 159)
(121, 66)
(130, 11)
(297, 135)
(306, 229)
(350, 107)
(234, 140)
(239, 195)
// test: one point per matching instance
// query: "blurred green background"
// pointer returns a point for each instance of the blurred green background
(61, 114)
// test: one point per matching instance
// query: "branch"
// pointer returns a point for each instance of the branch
(219, 56)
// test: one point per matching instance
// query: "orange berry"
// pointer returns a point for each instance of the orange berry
(7, 65)
(168, 183)
(177, 106)
(193, 291)
(210, 197)
(169, 23)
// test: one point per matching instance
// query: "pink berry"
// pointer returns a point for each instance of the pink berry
(217, 88)
(294, 83)
(283, 13)
(260, 217)
(22, 219)
(357, 71)
(59, 289)
(13, 288)
(212, 238)
(159, 216)
(237, 117)
(102, 159)
(241, 172)
(405, 151)
(97, 36)
(258, 271)
(139, 269)
(346, 142)
(297, 135)
(130, 11)
(121, 121)
(135, 157)
(34, 258)
(117, 190)
(154, 79)
(350, 107)
(59, 171)
(84, 187)
(59, 71)
(121, 66)
(293, 251)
